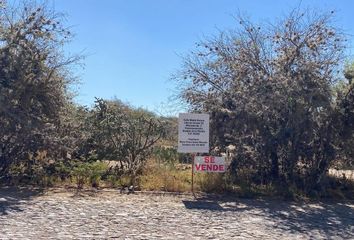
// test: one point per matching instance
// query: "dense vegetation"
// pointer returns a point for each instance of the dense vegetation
(42, 131)
(280, 107)
(277, 98)
(33, 85)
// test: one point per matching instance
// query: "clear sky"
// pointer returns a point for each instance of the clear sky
(134, 46)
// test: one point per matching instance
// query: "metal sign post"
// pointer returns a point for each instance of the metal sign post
(193, 156)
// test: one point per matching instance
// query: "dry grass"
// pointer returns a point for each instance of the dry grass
(165, 178)
(178, 178)
(210, 182)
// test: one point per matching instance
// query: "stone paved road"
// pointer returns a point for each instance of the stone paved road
(107, 214)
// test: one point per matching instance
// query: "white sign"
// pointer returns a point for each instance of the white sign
(193, 133)
(209, 164)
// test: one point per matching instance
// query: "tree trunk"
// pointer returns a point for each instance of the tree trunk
(274, 166)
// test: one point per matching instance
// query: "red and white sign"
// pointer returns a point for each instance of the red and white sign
(209, 164)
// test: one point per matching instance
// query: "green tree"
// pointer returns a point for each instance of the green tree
(344, 93)
(349, 72)
(34, 81)
(124, 134)
(268, 88)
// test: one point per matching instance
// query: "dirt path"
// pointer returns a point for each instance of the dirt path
(64, 215)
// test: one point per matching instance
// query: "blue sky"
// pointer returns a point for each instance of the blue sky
(133, 46)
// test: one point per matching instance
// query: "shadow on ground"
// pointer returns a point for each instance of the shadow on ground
(330, 218)
(205, 205)
(12, 197)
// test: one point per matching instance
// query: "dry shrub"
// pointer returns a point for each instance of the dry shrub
(164, 178)
(210, 182)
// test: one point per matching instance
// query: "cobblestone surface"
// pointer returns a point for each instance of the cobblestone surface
(109, 214)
